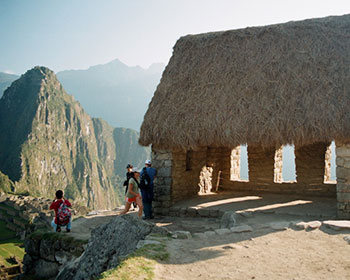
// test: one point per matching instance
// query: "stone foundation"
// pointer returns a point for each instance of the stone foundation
(343, 180)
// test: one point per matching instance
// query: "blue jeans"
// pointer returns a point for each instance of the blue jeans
(147, 209)
(68, 226)
(147, 198)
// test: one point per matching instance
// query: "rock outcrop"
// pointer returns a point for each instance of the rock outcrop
(47, 252)
(107, 246)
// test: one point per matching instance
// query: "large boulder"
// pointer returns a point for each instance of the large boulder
(106, 246)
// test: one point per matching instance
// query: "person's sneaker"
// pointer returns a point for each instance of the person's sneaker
(145, 218)
(58, 229)
(67, 230)
(152, 217)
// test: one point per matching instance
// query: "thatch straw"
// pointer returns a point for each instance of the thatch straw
(269, 86)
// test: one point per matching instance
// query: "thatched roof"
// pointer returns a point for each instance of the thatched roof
(273, 85)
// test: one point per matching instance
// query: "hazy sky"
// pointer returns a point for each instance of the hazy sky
(75, 34)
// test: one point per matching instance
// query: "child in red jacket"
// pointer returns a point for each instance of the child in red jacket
(63, 215)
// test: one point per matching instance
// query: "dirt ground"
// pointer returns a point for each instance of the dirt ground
(264, 253)
(268, 251)
(261, 254)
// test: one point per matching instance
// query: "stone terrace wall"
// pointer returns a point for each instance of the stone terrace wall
(343, 180)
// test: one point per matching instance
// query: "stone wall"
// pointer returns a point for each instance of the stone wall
(162, 161)
(278, 177)
(310, 163)
(235, 163)
(328, 156)
(47, 253)
(265, 172)
(183, 174)
(261, 163)
(186, 172)
(343, 180)
(220, 160)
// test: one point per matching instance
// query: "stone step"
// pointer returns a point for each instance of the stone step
(337, 224)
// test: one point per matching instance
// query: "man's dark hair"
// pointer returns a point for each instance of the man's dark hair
(59, 194)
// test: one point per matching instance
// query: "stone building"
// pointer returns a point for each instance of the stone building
(264, 87)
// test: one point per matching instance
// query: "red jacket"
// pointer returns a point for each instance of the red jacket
(56, 204)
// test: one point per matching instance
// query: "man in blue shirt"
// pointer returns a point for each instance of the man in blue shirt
(147, 195)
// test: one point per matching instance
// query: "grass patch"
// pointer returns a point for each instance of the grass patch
(9, 246)
(140, 263)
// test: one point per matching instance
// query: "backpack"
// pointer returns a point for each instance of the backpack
(145, 180)
(63, 214)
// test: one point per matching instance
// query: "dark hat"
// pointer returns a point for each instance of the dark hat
(129, 166)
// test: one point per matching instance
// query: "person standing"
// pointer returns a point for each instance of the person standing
(62, 213)
(133, 194)
(129, 174)
(147, 194)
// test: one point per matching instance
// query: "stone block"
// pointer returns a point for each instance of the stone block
(314, 224)
(165, 211)
(163, 198)
(180, 234)
(166, 204)
(209, 233)
(239, 229)
(343, 187)
(343, 173)
(214, 213)
(279, 225)
(204, 212)
(343, 151)
(167, 181)
(343, 214)
(222, 231)
(157, 210)
(183, 211)
(156, 204)
(191, 212)
(340, 161)
(164, 172)
(162, 190)
(173, 213)
(337, 225)
(302, 225)
(198, 235)
(343, 197)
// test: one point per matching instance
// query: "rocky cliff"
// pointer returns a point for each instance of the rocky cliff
(50, 142)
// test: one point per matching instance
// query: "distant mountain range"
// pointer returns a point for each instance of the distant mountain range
(114, 91)
(5, 81)
(48, 142)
